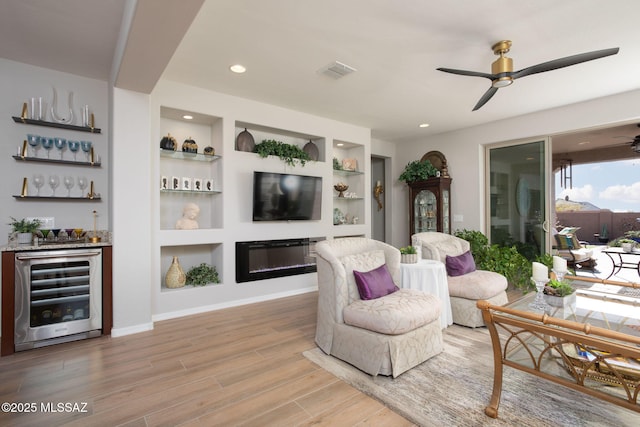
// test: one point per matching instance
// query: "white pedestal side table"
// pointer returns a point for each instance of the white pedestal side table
(429, 276)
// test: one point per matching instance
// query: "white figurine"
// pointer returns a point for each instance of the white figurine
(189, 215)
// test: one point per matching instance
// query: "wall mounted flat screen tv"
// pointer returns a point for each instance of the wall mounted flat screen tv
(286, 197)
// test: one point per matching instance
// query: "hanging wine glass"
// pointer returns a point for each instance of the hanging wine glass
(82, 183)
(47, 143)
(68, 183)
(60, 144)
(54, 182)
(74, 146)
(38, 181)
(86, 147)
(34, 141)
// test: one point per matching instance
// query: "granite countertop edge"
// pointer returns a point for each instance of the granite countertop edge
(60, 246)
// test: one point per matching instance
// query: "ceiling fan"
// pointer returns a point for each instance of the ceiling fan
(502, 73)
(635, 142)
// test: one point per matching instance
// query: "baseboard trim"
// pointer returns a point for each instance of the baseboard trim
(229, 304)
(130, 330)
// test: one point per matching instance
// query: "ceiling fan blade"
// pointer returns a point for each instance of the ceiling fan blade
(486, 97)
(467, 73)
(564, 62)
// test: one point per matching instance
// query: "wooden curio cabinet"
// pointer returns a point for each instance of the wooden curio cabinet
(429, 205)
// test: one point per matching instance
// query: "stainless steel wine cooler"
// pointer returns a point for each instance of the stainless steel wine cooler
(58, 296)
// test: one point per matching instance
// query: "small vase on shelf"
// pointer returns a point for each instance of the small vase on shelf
(175, 277)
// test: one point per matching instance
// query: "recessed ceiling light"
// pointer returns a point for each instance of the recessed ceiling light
(339, 144)
(584, 142)
(238, 69)
(187, 117)
(424, 125)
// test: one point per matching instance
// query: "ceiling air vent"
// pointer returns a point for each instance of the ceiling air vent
(336, 70)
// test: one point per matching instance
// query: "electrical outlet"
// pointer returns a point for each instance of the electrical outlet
(47, 222)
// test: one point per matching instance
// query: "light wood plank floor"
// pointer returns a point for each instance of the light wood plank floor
(238, 366)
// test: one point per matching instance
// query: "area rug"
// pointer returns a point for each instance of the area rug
(453, 388)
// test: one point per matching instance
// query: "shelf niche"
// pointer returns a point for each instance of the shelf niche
(191, 256)
(261, 133)
(205, 130)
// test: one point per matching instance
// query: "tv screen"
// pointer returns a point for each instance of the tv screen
(286, 197)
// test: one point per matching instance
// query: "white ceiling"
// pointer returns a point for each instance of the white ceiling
(395, 47)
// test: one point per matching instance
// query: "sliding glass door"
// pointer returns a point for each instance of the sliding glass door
(518, 187)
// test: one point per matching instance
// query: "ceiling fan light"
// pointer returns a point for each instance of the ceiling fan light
(502, 82)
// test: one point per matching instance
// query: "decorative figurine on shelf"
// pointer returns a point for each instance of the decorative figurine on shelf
(189, 215)
(168, 143)
(189, 146)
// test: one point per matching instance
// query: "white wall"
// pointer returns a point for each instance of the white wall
(18, 83)
(464, 149)
(132, 233)
(238, 167)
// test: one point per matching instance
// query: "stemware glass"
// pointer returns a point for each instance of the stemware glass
(82, 183)
(68, 183)
(47, 143)
(60, 144)
(54, 182)
(86, 147)
(78, 232)
(38, 181)
(34, 141)
(69, 232)
(74, 146)
(55, 232)
(45, 233)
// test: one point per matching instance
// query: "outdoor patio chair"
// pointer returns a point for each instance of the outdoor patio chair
(573, 250)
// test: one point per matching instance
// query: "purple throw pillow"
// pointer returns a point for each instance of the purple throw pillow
(461, 264)
(375, 283)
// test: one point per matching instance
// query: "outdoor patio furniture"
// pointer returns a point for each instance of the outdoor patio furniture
(578, 256)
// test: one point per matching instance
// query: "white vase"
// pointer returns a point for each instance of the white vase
(627, 247)
(24, 238)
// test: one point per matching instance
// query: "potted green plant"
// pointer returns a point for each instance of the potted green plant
(408, 255)
(24, 229)
(202, 275)
(559, 293)
(288, 153)
(418, 171)
(627, 244)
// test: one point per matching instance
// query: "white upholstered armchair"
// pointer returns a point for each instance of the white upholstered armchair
(464, 289)
(385, 335)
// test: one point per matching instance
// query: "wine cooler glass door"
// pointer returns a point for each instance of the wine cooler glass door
(58, 296)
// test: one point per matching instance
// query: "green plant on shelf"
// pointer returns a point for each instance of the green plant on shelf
(337, 166)
(24, 225)
(288, 153)
(202, 275)
(418, 171)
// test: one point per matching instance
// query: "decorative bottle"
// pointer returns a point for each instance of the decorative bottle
(175, 277)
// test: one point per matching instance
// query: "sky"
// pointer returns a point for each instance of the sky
(609, 185)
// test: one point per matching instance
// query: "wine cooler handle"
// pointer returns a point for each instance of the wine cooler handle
(49, 256)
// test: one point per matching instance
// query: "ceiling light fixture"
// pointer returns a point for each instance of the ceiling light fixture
(339, 144)
(238, 69)
(423, 125)
(187, 117)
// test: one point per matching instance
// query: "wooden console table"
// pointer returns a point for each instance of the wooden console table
(592, 345)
